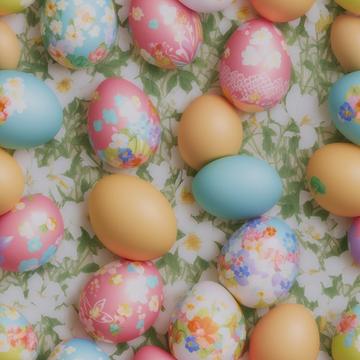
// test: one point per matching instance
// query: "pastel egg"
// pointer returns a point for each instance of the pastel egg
(255, 69)
(206, 6)
(123, 124)
(260, 262)
(167, 33)
(12, 6)
(78, 349)
(9, 48)
(350, 5)
(30, 234)
(78, 33)
(152, 352)
(207, 324)
(17, 337)
(354, 239)
(237, 187)
(121, 301)
(30, 113)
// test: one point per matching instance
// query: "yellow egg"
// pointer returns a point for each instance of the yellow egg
(210, 128)
(333, 174)
(350, 5)
(9, 48)
(12, 6)
(132, 218)
(287, 332)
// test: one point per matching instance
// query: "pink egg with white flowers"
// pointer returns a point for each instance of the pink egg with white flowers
(167, 33)
(121, 301)
(255, 69)
(151, 353)
(30, 234)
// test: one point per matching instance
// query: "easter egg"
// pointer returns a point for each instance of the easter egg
(206, 6)
(152, 352)
(354, 239)
(12, 182)
(12, 6)
(237, 187)
(9, 48)
(78, 349)
(30, 234)
(30, 113)
(78, 33)
(333, 176)
(123, 124)
(210, 128)
(132, 218)
(121, 301)
(255, 69)
(288, 331)
(350, 5)
(18, 340)
(167, 33)
(260, 262)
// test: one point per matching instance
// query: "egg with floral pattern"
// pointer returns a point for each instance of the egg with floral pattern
(167, 33)
(255, 69)
(13, 6)
(207, 324)
(30, 234)
(18, 340)
(260, 262)
(121, 301)
(78, 33)
(123, 124)
(206, 6)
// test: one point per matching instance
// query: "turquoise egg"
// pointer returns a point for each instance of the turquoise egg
(30, 113)
(344, 105)
(237, 187)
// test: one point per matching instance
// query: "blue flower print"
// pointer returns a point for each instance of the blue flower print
(153, 24)
(34, 244)
(48, 254)
(131, 268)
(290, 242)
(152, 281)
(140, 324)
(346, 112)
(114, 329)
(356, 310)
(97, 125)
(285, 285)
(110, 116)
(191, 344)
(119, 100)
(126, 155)
(27, 265)
(349, 339)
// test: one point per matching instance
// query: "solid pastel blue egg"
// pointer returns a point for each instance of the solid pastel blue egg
(30, 113)
(237, 187)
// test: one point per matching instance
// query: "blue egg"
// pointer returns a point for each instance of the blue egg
(30, 113)
(78, 349)
(237, 187)
(344, 105)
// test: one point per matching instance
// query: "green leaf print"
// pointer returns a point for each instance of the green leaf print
(317, 186)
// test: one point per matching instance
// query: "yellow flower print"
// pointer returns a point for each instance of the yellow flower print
(227, 53)
(136, 101)
(154, 303)
(50, 9)
(51, 224)
(125, 310)
(137, 13)
(192, 242)
(116, 280)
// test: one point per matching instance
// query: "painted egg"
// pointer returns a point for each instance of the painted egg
(123, 124)
(237, 187)
(121, 301)
(354, 239)
(350, 5)
(152, 352)
(12, 6)
(207, 324)
(30, 234)
(335, 187)
(78, 33)
(206, 6)
(9, 48)
(78, 349)
(260, 262)
(30, 113)
(18, 340)
(167, 33)
(255, 69)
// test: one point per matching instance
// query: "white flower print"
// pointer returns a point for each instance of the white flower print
(119, 140)
(94, 31)
(56, 27)
(109, 17)
(154, 303)
(169, 14)
(26, 230)
(272, 60)
(74, 36)
(62, 5)
(261, 37)
(251, 56)
(140, 295)
(85, 16)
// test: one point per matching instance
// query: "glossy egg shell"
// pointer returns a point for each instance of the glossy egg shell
(123, 124)
(206, 6)
(354, 239)
(255, 69)
(9, 48)
(350, 5)
(30, 234)
(152, 352)
(121, 301)
(78, 33)
(12, 6)
(167, 33)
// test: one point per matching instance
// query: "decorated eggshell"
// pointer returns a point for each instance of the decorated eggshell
(78, 349)
(30, 234)
(30, 113)
(350, 5)
(354, 239)
(207, 324)
(18, 340)
(206, 6)
(255, 69)
(12, 6)
(167, 33)
(78, 33)
(121, 301)
(152, 352)
(260, 262)
(9, 48)
(124, 126)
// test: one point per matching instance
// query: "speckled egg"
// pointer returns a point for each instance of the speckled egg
(206, 6)
(121, 301)
(30, 234)
(255, 69)
(207, 324)
(123, 124)
(260, 262)
(78, 349)
(12, 6)
(152, 352)
(78, 33)
(18, 340)
(167, 33)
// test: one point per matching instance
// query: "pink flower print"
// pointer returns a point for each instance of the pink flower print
(347, 323)
(99, 54)
(30, 340)
(4, 105)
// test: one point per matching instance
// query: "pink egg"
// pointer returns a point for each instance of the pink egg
(30, 234)
(123, 124)
(151, 353)
(167, 33)
(121, 301)
(255, 69)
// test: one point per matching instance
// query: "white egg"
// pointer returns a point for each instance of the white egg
(206, 6)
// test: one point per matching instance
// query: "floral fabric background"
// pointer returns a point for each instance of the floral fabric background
(66, 169)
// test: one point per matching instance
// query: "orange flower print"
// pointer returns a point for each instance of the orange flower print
(4, 104)
(347, 323)
(161, 58)
(204, 329)
(270, 231)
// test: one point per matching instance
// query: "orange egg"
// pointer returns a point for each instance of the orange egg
(9, 48)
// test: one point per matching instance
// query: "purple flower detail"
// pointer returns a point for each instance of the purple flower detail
(191, 344)
(346, 112)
